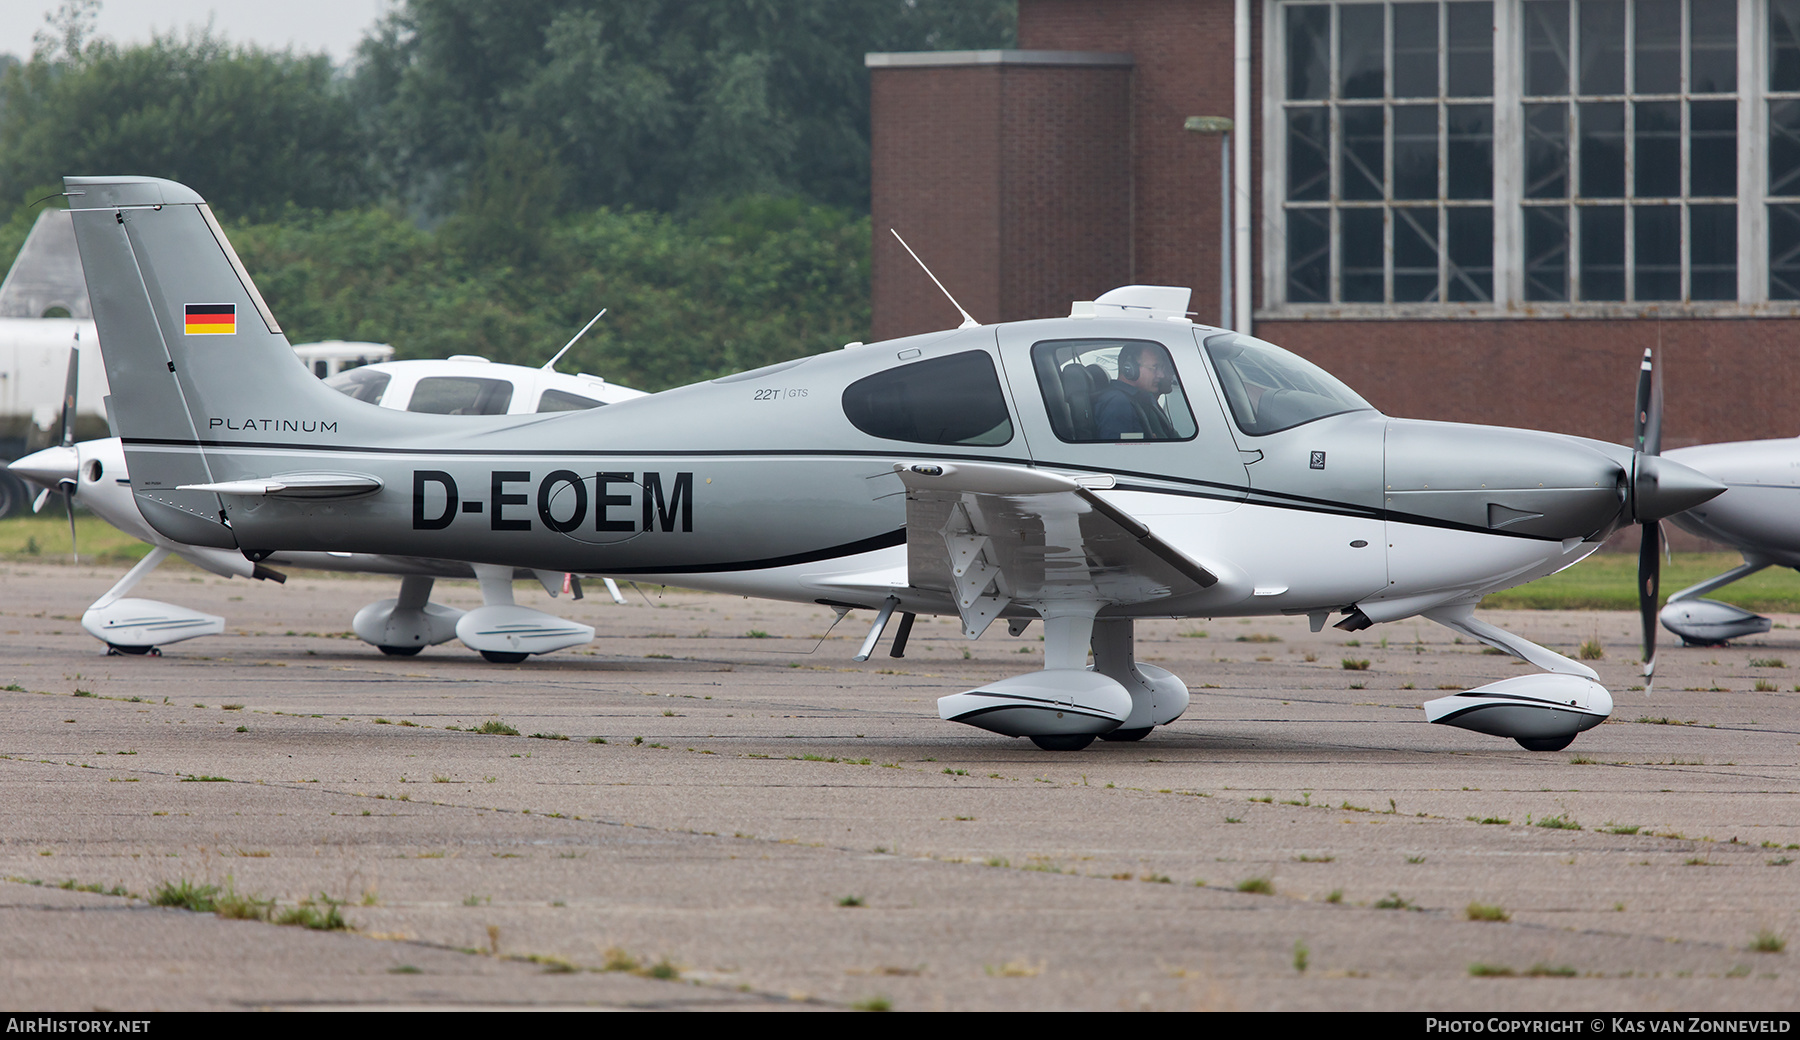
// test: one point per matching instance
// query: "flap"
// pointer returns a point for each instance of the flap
(989, 535)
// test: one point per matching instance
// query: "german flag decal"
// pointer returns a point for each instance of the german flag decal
(211, 319)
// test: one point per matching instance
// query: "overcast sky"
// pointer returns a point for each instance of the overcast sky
(332, 26)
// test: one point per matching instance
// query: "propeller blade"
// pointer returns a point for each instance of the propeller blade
(37, 504)
(1648, 425)
(69, 505)
(66, 424)
(1649, 587)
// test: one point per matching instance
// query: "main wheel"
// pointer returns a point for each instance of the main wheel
(400, 651)
(115, 648)
(1064, 741)
(503, 657)
(1545, 743)
(1127, 734)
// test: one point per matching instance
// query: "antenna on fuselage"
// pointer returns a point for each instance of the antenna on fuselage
(968, 322)
(550, 365)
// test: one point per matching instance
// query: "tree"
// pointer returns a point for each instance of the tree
(654, 104)
(253, 131)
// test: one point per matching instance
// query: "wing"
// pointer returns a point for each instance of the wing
(991, 535)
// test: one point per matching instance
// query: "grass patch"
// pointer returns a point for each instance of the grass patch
(1261, 886)
(237, 906)
(1767, 942)
(186, 895)
(320, 914)
(1259, 637)
(1591, 650)
(1608, 581)
(1491, 971)
(495, 727)
(1353, 665)
(1559, 823)
(1487, 912)
(1393, 901)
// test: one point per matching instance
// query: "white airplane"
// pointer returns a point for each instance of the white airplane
(94, 474)
(1120, 463)
(1758, 515)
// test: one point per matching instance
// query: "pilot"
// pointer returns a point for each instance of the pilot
(1128, 410)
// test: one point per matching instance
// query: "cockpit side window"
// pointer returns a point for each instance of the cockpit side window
(1270, 389)
(947, 400)
(363, 384)
(459, 395)
(1102, 390)
(563, 401)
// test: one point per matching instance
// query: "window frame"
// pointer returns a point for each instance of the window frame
(1752, 97)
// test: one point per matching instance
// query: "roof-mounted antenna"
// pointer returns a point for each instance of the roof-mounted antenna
(550, 365)
(968, 322)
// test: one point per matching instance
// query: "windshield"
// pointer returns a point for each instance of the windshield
(364, 384)
(1270, 389)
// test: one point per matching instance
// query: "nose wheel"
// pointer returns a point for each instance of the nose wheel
(1545, 743)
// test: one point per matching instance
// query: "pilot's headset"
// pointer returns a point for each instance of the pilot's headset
(1129, 369)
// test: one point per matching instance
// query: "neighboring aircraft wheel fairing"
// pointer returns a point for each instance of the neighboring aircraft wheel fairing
(400, 651)
(385, 623)
(136, 625)
(511, 630)
(1063, 743)
(1706, 622)
(498, 657)
(1127, 734)
(1056, 702)
(1545, 743)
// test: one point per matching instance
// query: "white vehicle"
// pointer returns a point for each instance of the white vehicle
(94, 474)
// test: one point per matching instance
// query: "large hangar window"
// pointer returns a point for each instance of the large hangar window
(1483, 157)
(1630, 114)
(1388, 131)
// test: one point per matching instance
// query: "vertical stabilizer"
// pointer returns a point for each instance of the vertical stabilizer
(191, 349)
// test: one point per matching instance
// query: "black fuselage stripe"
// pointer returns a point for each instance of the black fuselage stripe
(889, 540)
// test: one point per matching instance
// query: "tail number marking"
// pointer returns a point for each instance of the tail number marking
(664, 504)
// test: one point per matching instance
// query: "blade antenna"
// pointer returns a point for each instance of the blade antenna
(968, 322)
(550, 365)
(66, 438)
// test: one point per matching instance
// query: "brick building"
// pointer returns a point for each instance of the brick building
(1475, 210)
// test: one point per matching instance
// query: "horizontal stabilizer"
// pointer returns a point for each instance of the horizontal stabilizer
(298, 485)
